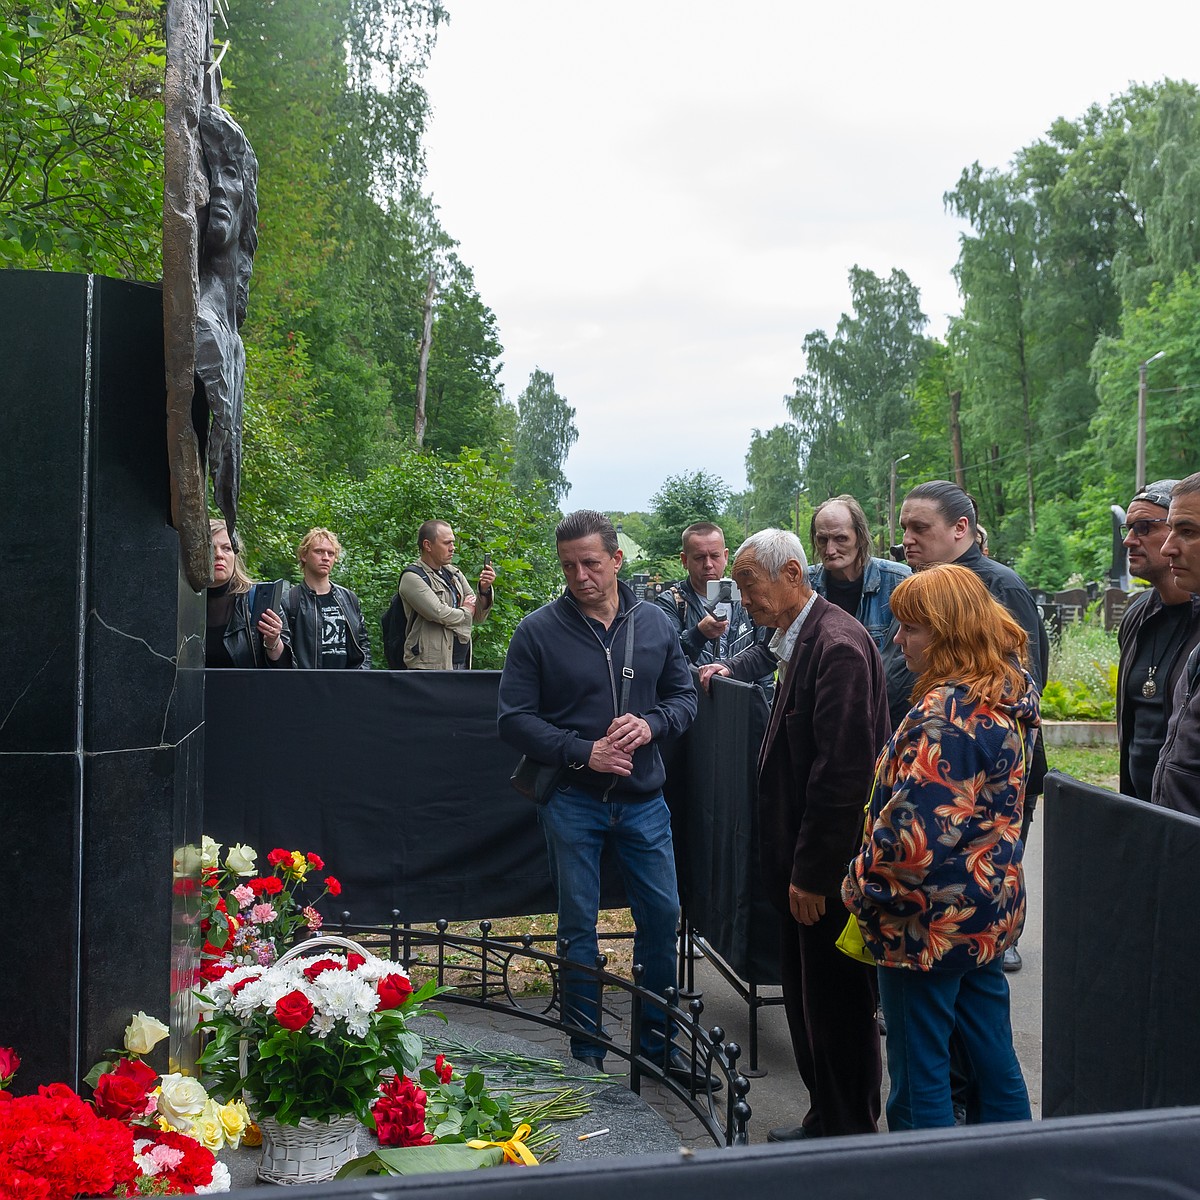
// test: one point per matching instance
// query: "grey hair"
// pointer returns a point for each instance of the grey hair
(772, 549)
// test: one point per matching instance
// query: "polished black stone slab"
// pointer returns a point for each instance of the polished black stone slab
(102, 692)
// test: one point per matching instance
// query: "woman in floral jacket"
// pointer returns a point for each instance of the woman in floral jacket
(937, 886)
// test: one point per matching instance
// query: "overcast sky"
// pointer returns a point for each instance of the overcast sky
(660, 199)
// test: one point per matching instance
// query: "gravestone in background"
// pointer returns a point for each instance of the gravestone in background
(101, 695)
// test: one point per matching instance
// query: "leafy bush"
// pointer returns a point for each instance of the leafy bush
(1083, 675)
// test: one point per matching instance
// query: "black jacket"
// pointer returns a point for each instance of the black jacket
(1177, 778)
(304, 613)
(1143, 607)
(560, 689)
(245, 645)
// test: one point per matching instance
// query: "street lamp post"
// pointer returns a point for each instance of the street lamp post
(892, 502)
(1140, 473)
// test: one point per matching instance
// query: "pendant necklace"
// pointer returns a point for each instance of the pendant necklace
(1150, 687)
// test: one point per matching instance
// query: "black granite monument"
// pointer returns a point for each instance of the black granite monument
(101, 695)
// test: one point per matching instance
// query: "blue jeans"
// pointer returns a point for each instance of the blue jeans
(922, 1009)
(577, 824)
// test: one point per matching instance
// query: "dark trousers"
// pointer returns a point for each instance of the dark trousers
(830, 1002)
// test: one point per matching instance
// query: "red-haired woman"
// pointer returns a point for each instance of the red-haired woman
(937, 886)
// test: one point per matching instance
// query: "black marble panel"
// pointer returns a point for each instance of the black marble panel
(101, 699)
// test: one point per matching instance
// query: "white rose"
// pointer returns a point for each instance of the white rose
(181, 1099)
(210, 852)
(186, 861)
(143, 1033)
(240, 860)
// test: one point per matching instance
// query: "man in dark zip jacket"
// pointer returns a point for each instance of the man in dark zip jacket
(561, 703)
(328, 630)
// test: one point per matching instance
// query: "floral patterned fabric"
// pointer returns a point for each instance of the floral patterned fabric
(938, 883)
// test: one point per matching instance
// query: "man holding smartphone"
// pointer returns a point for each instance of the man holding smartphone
(440, 608)
(708, 630)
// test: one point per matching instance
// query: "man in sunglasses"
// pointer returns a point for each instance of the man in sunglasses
(1158, 632)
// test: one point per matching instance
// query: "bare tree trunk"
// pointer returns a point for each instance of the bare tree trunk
(960, 472)
(423, 363)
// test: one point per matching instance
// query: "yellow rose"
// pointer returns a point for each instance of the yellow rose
(207, 1129)
(252, 1136)
(234, 1118)
(240, 860)
(299, 864)
(210, 852)
(181, 1099)
(143, 1033)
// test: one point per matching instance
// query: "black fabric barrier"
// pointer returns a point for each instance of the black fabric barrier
(400, 782)
(1121, 975)
(723, 889)
(397, 779)
(1134, 1156)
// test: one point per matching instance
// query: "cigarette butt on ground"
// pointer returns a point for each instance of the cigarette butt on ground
(583, 1137)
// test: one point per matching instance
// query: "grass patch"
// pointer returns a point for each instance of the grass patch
(1090, 764)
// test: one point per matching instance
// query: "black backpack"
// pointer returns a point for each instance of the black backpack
(396, 624)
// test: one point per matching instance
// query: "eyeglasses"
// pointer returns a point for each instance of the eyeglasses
(1141, 528)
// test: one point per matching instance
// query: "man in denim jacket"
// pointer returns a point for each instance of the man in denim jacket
(846, 574)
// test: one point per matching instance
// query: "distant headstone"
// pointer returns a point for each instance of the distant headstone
(639, 585)
(1074, 602)
(1115, 603)
(1051, 615)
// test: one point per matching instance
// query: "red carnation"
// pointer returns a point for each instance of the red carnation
(278, 857)
(184, 887)
(274, 885)
(214, 970)
(354, 961)
(294, 1010)
(400, 1114)
(320, 966)
(334, 886)
(393, 991)
(316, 862)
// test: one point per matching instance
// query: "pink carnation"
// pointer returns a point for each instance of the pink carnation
(262, 914)
(243, 895)
(313, 917)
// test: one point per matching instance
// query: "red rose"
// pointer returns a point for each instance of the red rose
(9, 1062)
(335, 888)
(354, 961)
(393, 991)
(278, 857)
(294, 1010)
(400, 1114)
(442, 1069)
(234, 988)
(184, 887)
(316, 862)
(320, 966)
(121, 1094)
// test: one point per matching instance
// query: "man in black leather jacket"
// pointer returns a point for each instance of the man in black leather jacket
(327, 627)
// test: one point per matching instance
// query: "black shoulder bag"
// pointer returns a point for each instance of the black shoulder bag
(538, 781)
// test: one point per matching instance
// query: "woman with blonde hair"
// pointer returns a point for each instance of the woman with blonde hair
(937, 887)
(229, 640)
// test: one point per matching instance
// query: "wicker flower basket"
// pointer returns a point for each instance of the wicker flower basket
(313, 1150)
(309, 1152)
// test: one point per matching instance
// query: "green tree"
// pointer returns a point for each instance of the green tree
(81, 136)
(680, 501)
(853, 406)
(773, 473)
(545, 434)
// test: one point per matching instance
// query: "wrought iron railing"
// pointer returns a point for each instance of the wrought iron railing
(481, 970)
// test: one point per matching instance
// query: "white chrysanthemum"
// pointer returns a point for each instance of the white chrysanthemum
(345, 995)
(322, 1024)
(374, 969)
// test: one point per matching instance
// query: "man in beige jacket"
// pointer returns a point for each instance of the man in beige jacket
(439, 605)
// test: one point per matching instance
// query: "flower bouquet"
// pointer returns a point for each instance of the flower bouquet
(252, 918)
(307, 1041)
(139, 1136)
